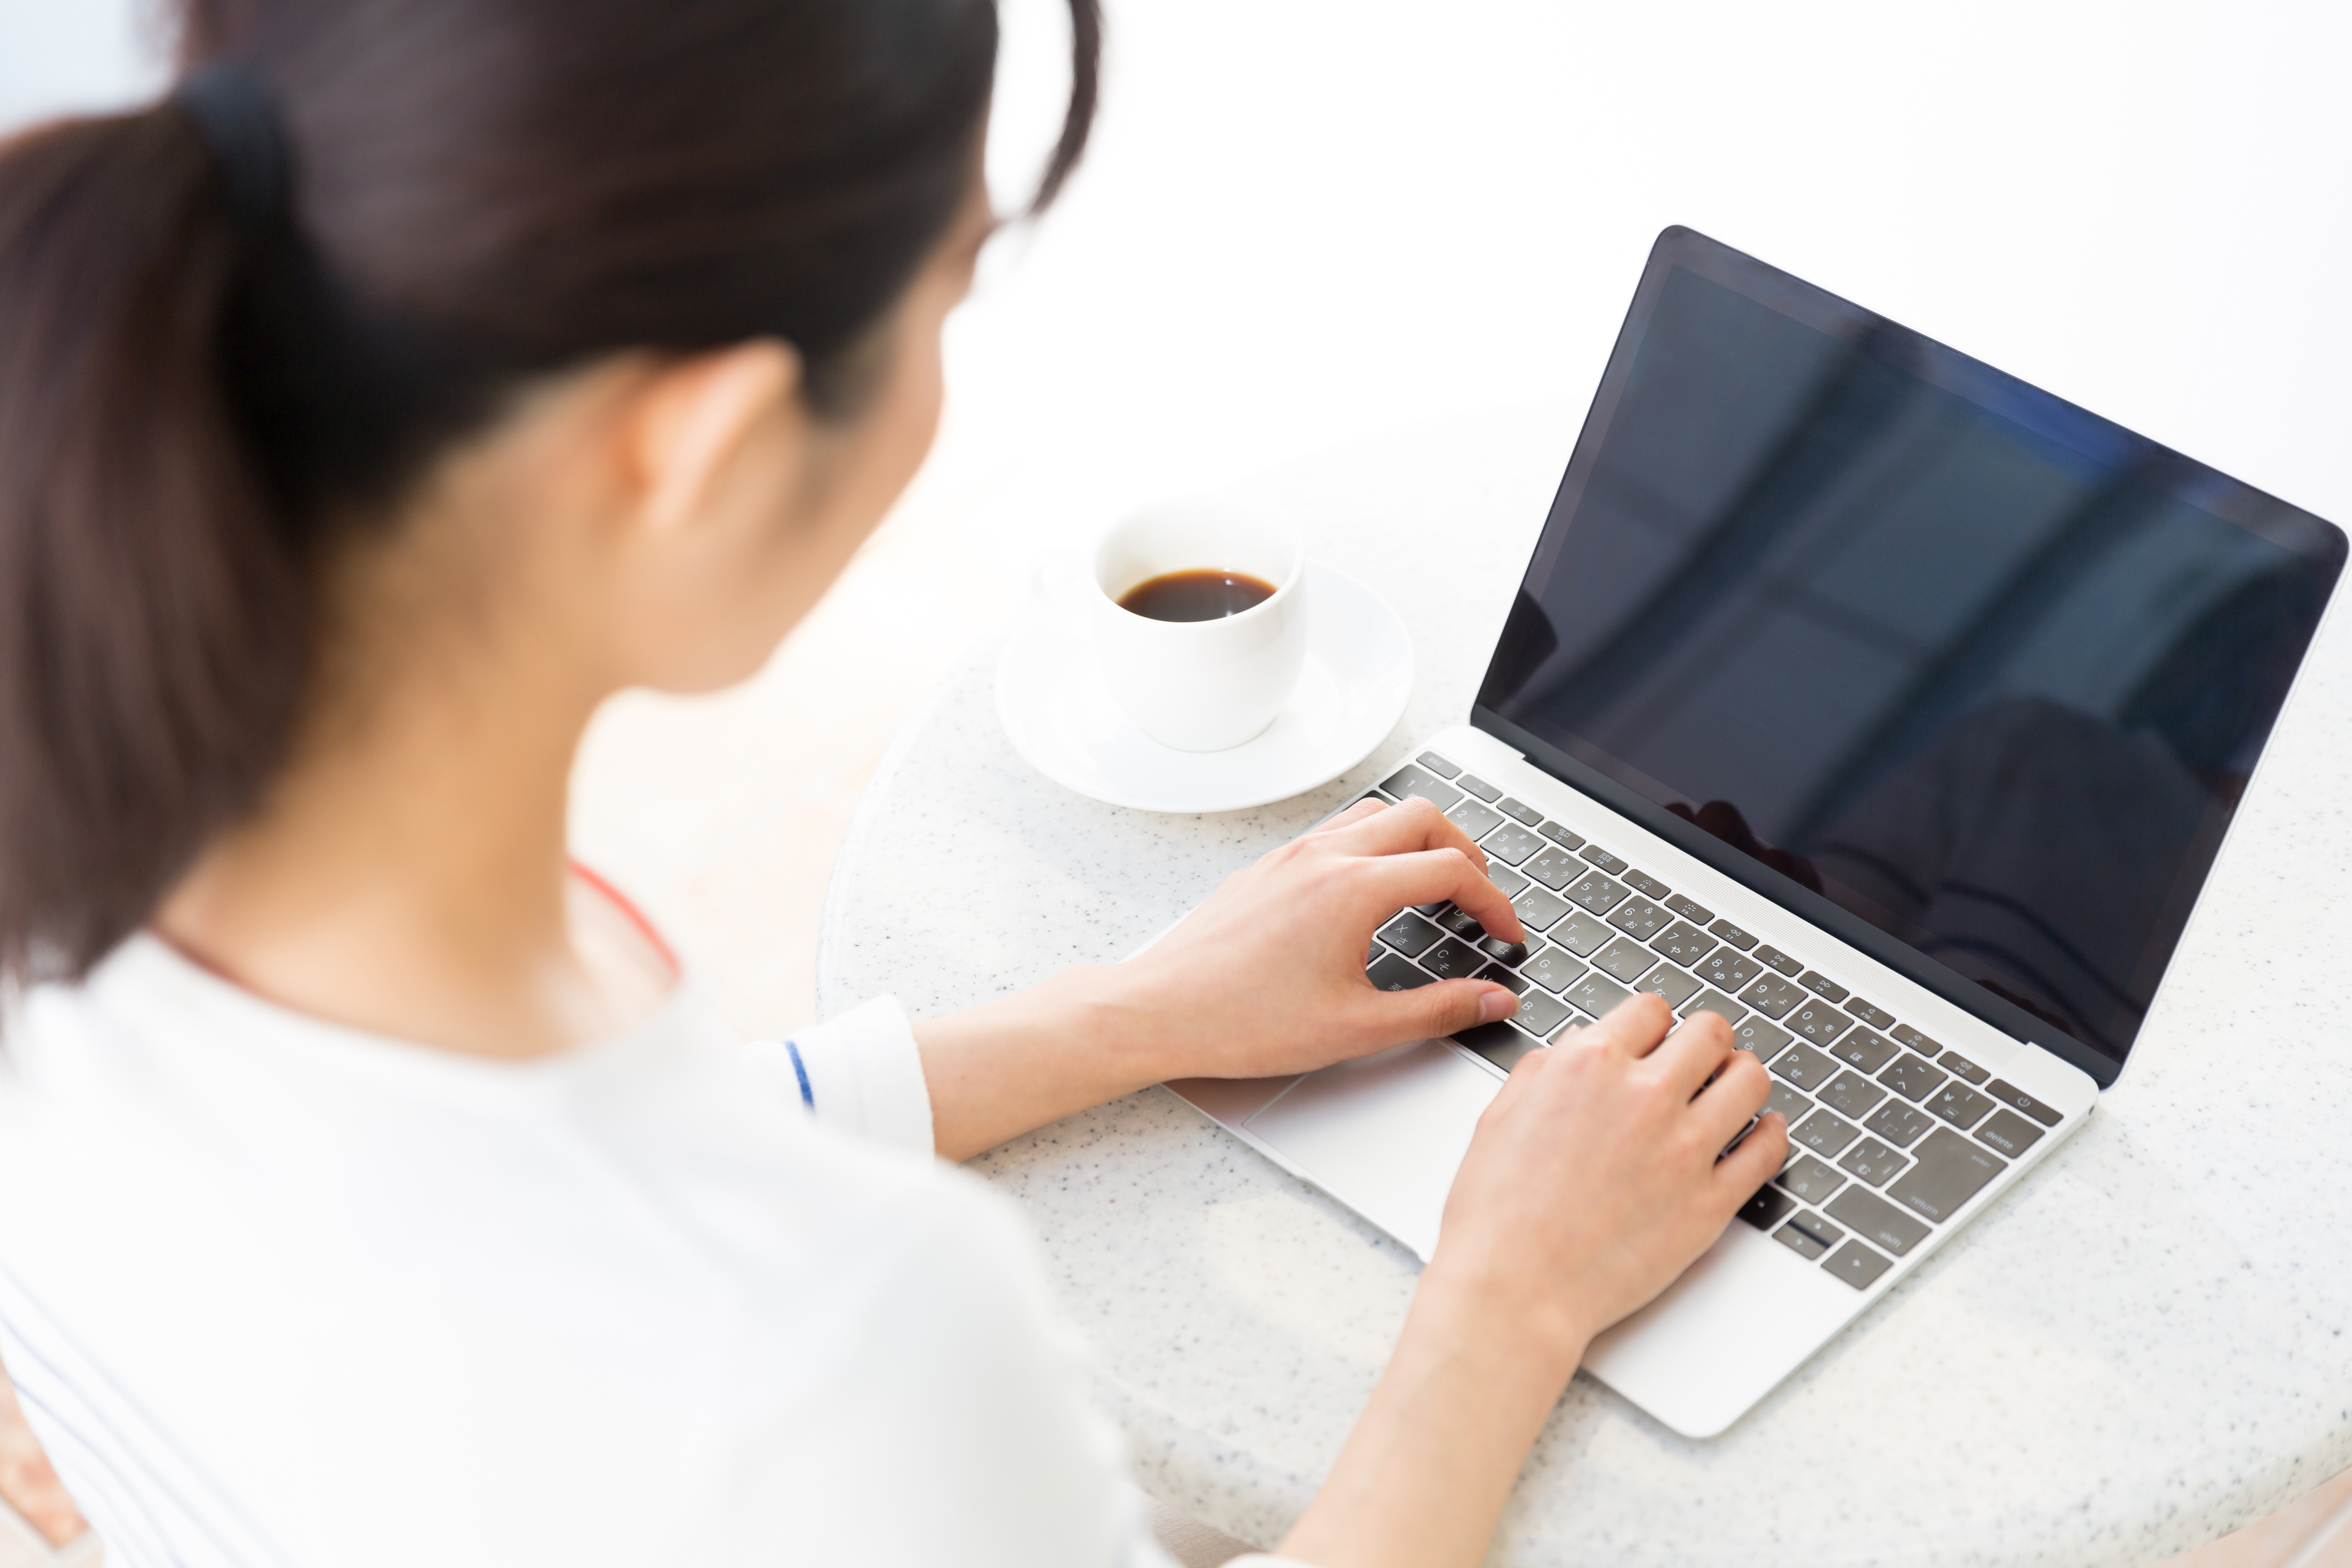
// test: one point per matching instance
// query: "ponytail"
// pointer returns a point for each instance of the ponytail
(154, 608)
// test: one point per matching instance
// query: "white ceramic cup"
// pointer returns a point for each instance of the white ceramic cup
(1200, 686)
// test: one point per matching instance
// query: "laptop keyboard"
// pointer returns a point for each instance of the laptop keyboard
(1889, 1133)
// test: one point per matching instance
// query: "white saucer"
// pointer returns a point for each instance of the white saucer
(1060, 716)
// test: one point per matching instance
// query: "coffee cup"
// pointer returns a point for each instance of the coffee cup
(1197, 614)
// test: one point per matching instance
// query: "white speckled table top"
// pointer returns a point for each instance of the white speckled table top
(2140, 1348)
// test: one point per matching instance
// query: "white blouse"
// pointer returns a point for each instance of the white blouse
(276, 1291)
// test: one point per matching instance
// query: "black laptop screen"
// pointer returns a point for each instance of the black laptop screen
(1981, 669)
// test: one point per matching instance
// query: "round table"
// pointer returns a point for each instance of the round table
(2141, 1348)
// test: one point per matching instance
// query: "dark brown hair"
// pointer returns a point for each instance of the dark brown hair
(195, 396)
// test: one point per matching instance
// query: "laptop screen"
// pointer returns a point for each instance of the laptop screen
(1985, 672)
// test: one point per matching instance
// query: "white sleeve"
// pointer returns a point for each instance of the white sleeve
(858, 1071)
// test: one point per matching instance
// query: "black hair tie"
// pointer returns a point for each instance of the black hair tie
(231, 110)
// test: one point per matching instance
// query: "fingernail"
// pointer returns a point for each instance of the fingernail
(1496, 1006)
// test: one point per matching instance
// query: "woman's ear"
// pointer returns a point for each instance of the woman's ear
(696, 415)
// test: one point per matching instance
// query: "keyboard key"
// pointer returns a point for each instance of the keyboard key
(1597, 893)
(1558, 834)
(1856, 1265)
(1539, 1013)
(1519, 810)
(2016, 1098)
(1390, 973)
(1510, 843)
(1710, 1000)
(1697, 914)
(1453, 958)
(1410, 935)
(1602, 859)
(1873, 1161)
(1480, 787)
(1768, 1208)
(1865, 1048)
(1809, 1235)
(1773, 958)
(1409, 780)
(1537, 910)
(1509, 953)
(1906, 1035)
(1554, 970)
(1624, 959)
(1670, 983)
(1433, 910)
(1510, 979)
(1596, 993)
(1771, 996)
(1683, 942)
(1554, 869)
(1439, 766)
(1821, 984)
(1581, 933)
(1462, 923)
(1950, 1170)
(1959, 1105)
(1912, 1078)
(1898, 1123)
(1817, 1022)
(1871, 1215)
(1851, 1094)
(1726, 969)
(1753, 1034)
(1733, 934)
(1877, 1017)
(1639, 919)
(1789, 1101)
(1827, 1132)
(1508, 882)
(1811, 1179)
(2010, 1133)
(1498, 1043)
(1475, 819)
(1805, 1067)
(1649, 886)
(1960, 1066)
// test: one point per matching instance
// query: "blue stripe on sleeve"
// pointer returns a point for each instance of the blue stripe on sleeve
(801, 1072)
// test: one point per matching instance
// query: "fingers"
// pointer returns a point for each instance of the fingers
(1447, 1007)
(1414, 825)
(1725, 1106)
(1634, 1026)
(1425, 876)
(1354, 813)
(1758, 1157)
(1694, 1051)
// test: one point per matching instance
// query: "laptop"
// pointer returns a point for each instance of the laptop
(1875, 699)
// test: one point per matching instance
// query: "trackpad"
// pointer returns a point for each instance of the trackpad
(1385, 1134)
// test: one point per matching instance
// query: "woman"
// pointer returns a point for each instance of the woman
(372, 1186)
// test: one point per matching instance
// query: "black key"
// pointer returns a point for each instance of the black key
(1898, 1123)
(1873, 1161)
(2010, 1133)
(1596, 993)
(1753, 1034)
(1510, 843)
(1852, 1093)
(1733, 934)
(1510, 979)
(1539, 1014)
(1789, 1101)
(1511, 953)
(1453, 958)
(1537, 910)
(1856, 1265)
(1811, 1179)
(1521, 810)
(1865, 1048)
(1390, 973)
(1959, 1105)
(1670, 983)
(1641, 919)
(1558, 834)
(1439, 766)
(1579, 933)
(1624, 959)
(1508, 882)
(1475, 819)
(1771, 996)
(2016, 1098)
(1768, 1208)
(1710, 1000)
(1597, 893)
(1906, 1036)
(1827, 1132)
(1950, 1170)
(1809, 1235)
(1602, 859)
(1912, 1078)
(1554, 869)
(1817, 1022)
(1961, 1067)
(1821, 984)
(1773, 958)
(1554, 970)
(1805, 1067)
(1498, 1043)
(1480, 787)
(1683, 942)
(1462, 923)
(1726, 969)
(1698, 915)
(1877, 1017)
(1409, 780)
(1881, 1221)
(1410, 934)
(1432, 910)
(1649, 886)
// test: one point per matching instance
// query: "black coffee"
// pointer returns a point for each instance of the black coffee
(1207, 594)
